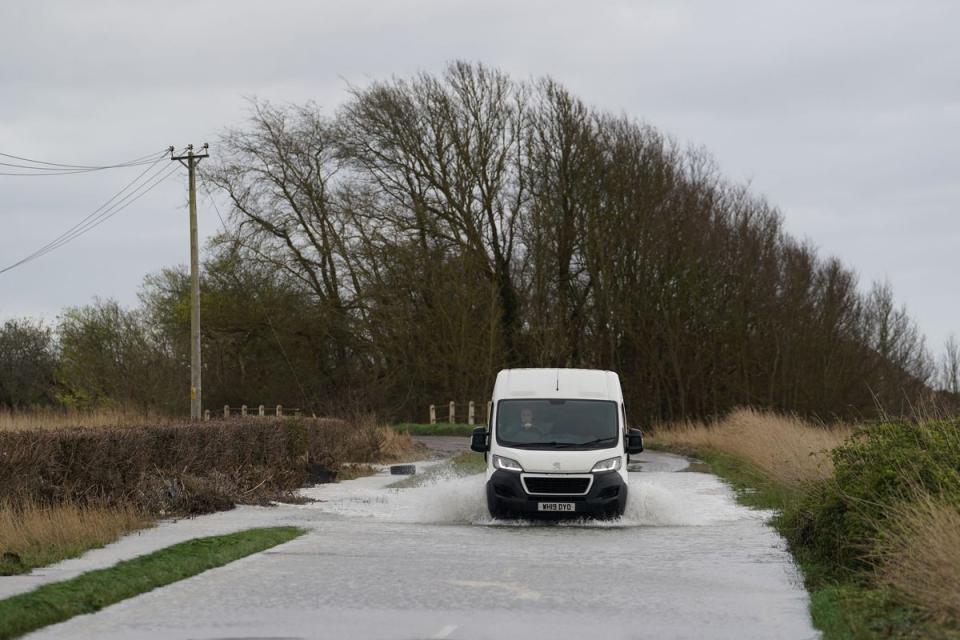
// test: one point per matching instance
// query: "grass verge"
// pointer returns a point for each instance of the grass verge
(95, 590)
(439, 429)
(35, 535)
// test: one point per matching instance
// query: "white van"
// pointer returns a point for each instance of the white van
(556, 444)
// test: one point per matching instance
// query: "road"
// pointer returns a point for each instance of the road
(446, 444)
(685, 562)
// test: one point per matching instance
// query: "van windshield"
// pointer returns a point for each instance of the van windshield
(557, 424)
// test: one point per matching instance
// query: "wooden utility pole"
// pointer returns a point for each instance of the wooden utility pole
(190, 161)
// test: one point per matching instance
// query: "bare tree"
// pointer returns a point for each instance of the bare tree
(446, 154)
(280, 175)
(446, 225)
(950, 366)
(563, 164)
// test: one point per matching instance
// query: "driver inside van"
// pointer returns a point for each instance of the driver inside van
(528, 429)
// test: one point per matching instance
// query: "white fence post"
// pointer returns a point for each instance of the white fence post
(433, 414)
(471, 414)
(261, 411)
(279, 410)
(243, 410)
(226, 411)
(453, 412)
(206, 415)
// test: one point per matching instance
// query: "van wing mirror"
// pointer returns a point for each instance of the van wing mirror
(479, 442)
(634, 441)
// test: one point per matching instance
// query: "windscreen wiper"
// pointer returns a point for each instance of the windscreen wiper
(528, 445)
(590, 443)
(564, 445)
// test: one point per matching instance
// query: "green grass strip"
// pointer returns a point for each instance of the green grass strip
(95, 590)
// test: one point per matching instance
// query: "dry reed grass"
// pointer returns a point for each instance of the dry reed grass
(51, 418)
(393, 445)
(918, 553)
(363, 438)
(789, 450)
(33, 535)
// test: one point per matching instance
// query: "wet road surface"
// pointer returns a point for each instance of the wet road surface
(447, 444)
(685, 562)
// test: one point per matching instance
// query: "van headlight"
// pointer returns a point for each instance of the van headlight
(610, 464)
(507, 464)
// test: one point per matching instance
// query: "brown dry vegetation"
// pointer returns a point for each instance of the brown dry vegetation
(182, 468)
(34, 535)
(919, 555)
(392, 445)
(789, 450)
(66, 489)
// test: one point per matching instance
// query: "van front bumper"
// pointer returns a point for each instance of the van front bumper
(507, 496)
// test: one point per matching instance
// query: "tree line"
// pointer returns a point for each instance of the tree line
(437, 228)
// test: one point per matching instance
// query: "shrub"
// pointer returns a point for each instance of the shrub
(184, 468)
(880, 467)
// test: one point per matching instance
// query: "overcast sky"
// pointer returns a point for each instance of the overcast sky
(846, 115)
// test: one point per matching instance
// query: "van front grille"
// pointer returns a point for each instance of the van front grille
(567, 486)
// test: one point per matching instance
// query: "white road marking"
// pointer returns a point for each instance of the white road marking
(444, 633)
(521, 592)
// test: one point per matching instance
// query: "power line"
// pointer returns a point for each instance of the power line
(203, 182)
(105, 215)
(114, 210)
(95, 211)
(149, 156)
(117, 203)
(59, 168)
(42, 171)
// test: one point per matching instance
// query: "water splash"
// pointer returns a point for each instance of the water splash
(659, 499)
(683, 499)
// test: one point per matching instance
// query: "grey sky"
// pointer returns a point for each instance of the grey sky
(846, 115)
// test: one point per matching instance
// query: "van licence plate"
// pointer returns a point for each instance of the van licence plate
(556, 506)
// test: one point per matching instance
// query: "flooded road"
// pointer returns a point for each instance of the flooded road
(685, 562)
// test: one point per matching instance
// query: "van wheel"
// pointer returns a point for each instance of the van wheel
(497, 512)
(621, 507)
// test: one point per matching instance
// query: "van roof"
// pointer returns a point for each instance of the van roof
(558, 383)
